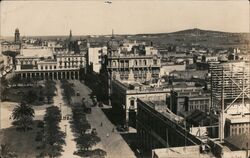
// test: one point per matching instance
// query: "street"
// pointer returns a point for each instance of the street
(111, 142)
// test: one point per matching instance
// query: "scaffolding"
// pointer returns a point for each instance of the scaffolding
(231, 78)
(230, 83)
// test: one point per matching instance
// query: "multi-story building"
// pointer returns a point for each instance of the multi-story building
(188, 98)
(133, 63)
(231, 79)
(158, 127)
(46, 64)
(95, 57)
(125, 94)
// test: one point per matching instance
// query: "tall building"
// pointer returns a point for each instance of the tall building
(131, 62)
(230, 89)
(232, 79)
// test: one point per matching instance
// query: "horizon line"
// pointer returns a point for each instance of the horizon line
(129, 34)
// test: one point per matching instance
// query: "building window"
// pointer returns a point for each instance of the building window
(41, 67)
(145, 62)
(46, 67)
(132, 102)
(54, 67)
(135, 62)
(155, 62)
(50, 67)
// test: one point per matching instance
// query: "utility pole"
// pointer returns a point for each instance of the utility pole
(221, 120)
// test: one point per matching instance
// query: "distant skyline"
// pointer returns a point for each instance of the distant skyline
(44, 18)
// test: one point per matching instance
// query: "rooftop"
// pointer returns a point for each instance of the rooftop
(240, 142)
(36, 52)
(161, 107)
(181, 152)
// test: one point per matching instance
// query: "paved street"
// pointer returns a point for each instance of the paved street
(113, 144)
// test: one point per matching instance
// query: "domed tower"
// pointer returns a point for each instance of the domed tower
(112, 46)
(17, 36)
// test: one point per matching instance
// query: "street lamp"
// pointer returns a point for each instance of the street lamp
(60, 106)
(65, 129)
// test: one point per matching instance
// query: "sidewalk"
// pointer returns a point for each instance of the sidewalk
(70, 146)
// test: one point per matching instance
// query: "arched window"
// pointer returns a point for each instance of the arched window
(144, 62)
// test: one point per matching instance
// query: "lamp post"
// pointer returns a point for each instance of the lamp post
(65, 129)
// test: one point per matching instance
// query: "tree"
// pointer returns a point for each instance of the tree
(31, 96)
(5, 152)
(4, 92)
(53, 136)
(23, 115)
(67, 90)
(4, 82)
(49, 89)
(15, 80)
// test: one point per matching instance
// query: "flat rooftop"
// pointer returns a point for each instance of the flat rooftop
(35, 52)
(161, 107)
(181, 152)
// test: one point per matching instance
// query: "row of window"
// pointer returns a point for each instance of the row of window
(54, 67)
(136, 63)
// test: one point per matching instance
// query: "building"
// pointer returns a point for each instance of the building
(166, 135)
(125, 94)
(124, 62)
(46, 64)
(12, 46)
(186, 98)
(167, 68)
(232, 79)
(189, 74)
(158, 127)
(141, 64)
(209, 59)
(95, 57)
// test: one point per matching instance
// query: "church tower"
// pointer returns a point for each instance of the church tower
(17, 36)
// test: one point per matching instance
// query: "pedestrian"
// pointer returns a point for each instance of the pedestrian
(101, 124)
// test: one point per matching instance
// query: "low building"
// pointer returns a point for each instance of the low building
(166, 69)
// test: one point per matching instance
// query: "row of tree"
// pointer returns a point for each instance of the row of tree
(85, 141)
(68, 90)
(53, 138)
(99, 87)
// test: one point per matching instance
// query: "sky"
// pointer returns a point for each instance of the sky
(124, 16)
